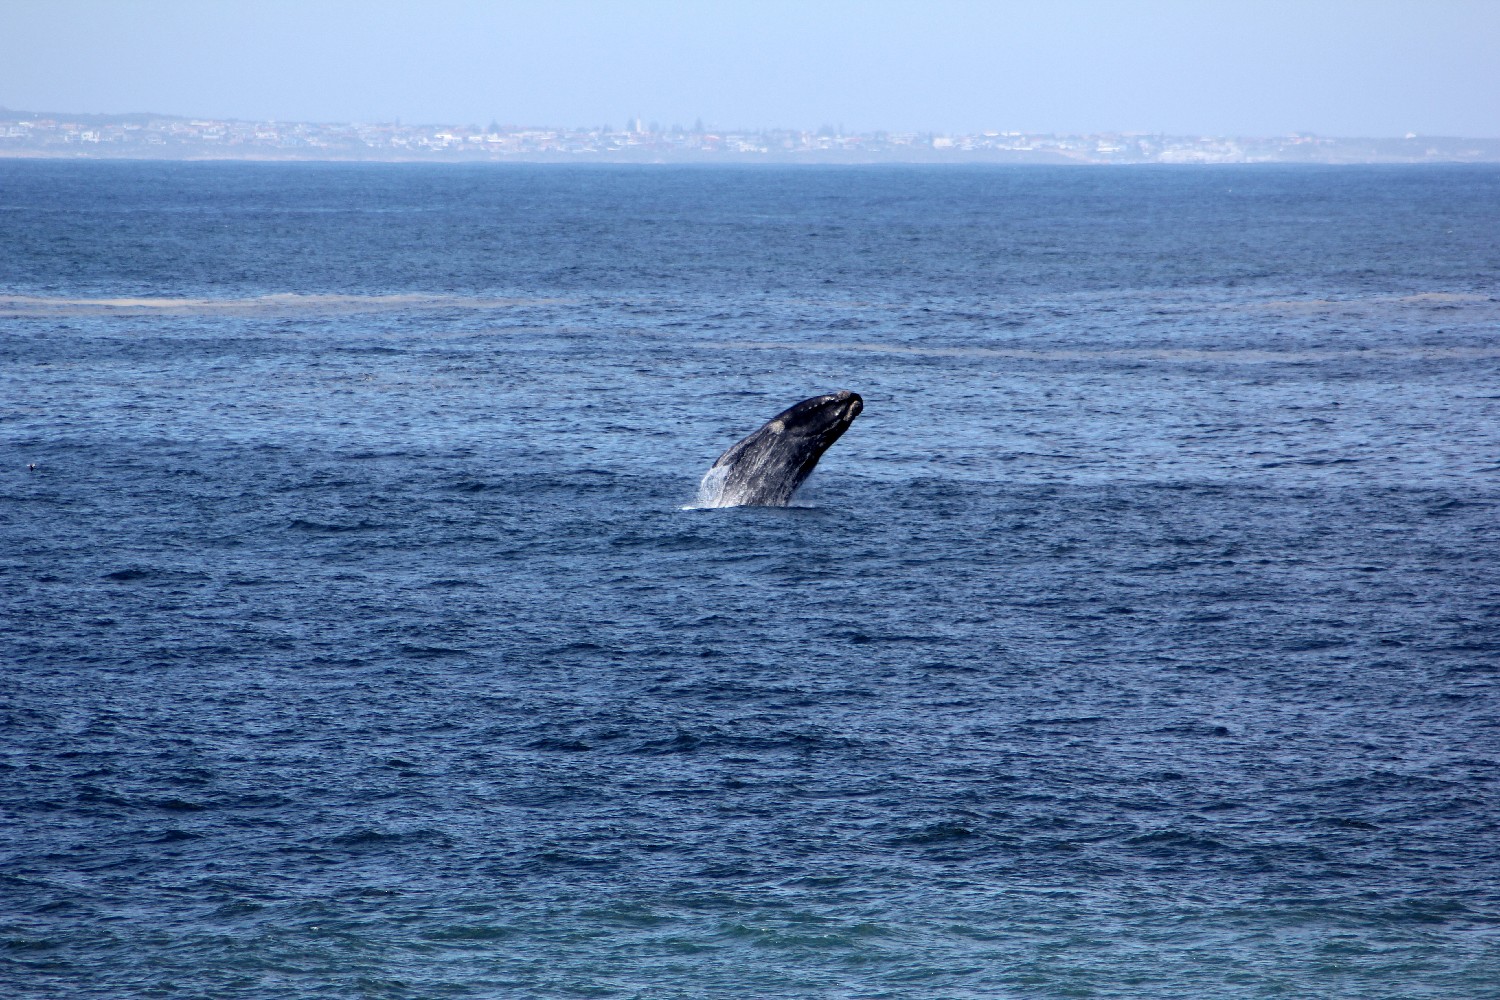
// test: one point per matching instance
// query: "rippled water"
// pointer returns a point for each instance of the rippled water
(1139, 640)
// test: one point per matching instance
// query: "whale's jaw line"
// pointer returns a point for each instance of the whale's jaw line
(764, 469)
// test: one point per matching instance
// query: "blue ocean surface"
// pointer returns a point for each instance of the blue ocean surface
(360, 637)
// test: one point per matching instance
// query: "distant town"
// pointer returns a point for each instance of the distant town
(150, 136)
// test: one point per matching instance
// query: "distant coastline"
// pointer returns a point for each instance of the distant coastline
(61, 135)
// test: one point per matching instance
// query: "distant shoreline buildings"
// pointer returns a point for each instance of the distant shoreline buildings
(165, 137)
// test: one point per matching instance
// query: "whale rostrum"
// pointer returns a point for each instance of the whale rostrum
(765, 468)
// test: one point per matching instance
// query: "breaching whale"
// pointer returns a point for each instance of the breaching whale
(765, 469)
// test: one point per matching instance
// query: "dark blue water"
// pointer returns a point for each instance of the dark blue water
(1141, 639)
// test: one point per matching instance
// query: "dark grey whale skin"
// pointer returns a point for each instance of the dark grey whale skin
(765, 468)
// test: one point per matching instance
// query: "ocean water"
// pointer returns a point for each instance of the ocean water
(1141, 639)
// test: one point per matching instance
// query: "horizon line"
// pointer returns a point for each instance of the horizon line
(699, 128)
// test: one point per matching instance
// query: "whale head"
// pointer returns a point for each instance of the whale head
(766, 467)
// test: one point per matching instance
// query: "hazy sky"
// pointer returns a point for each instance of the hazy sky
(1337, 67)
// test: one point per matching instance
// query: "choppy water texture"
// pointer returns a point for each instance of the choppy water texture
(1139, 640)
